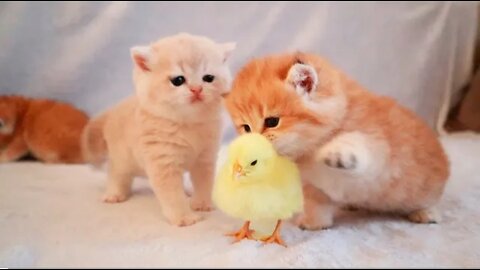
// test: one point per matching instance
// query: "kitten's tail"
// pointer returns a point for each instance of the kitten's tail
(94, 146)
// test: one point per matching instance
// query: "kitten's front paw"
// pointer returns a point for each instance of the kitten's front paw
(186, 219)
(200, 204)
(311, 224)
(345, 152)
(425, 216)
(114, 197)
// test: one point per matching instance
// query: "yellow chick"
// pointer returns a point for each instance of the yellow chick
(256, 184)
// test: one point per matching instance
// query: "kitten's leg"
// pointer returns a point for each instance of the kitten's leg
(428, 215)
(319, 210)
(202, 174)
(15, 150)
(167, 183)
(119, 183)
(354, 153)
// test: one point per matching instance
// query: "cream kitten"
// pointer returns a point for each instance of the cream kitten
(353, 147)
(171, 125)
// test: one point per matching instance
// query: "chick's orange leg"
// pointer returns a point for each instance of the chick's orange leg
(275, 237)
(244, 232)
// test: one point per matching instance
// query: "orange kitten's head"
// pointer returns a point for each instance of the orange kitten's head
(8, 114)
(9, 108)
(181, 75)
(295, 100)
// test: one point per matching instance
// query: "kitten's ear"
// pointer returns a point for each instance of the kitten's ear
(303, 78)
(227, 49)
(141, 56)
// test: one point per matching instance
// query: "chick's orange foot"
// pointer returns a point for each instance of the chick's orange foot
(243, 233)
(275, 237)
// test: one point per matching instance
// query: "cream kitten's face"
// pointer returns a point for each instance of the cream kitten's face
(181, 75)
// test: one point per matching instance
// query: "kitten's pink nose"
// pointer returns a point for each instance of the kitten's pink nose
(196, 89)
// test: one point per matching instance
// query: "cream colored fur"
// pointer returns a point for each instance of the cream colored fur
(162, 131)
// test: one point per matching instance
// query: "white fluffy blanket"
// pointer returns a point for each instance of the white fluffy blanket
(51, 216)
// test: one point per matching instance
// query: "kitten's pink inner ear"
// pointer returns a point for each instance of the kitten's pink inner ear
(141, 62)
(307, 83)
(141, 57)
(303, 77)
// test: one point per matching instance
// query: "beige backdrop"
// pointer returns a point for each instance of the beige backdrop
(418, 52)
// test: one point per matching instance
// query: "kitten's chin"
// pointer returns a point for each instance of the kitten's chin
(200, 111)
(289, 146)
(294, 154)
(199, 101)
(288, 153)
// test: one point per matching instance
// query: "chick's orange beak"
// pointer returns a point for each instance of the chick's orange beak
(237, 170)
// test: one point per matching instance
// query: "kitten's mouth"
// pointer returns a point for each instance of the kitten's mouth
(196, 98)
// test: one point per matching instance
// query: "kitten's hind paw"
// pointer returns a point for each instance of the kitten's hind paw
(114, 198)
(187, 219)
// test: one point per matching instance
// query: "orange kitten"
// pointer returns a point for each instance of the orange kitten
(48, 129)
(353, 147)
(171, 125)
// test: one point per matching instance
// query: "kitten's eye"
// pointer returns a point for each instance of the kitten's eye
(208, 78)
(271, 122)
(247, 128)
(253, 162)
(1, 123)
(177, 81)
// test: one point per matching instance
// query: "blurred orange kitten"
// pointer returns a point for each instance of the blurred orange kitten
(171, 125)
(353, 147)
(49, 130)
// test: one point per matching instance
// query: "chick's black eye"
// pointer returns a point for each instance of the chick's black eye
(208, 78)
(253, 162)
(177, 81)
(247, 128)
(271, 122)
